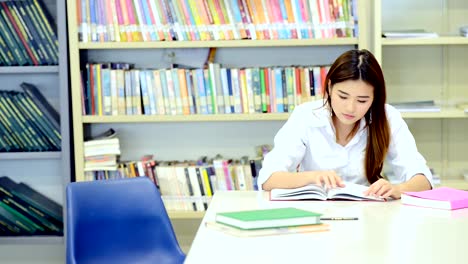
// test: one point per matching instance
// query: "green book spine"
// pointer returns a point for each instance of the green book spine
(19, 219)
(46, 127)
(14, 35)
(30, 34)
(16, 125)
(6, 36)
(39, 218)
(33, 199)
(21, 121)
(7, 124)
(8, 223)
(263, 91)
(48, 41)
(30, 125)
(21, 30)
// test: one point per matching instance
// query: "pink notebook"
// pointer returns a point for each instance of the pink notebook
(442, 198)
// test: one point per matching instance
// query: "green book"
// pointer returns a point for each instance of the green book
(268, 218)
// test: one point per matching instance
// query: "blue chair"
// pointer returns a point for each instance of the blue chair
(119, 221)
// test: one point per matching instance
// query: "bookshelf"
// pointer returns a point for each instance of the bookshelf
(196, 135)
(429, 69)
(436, 133)
(47, 172)
(439, 135)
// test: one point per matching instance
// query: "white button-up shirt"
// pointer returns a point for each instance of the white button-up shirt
(308, 140)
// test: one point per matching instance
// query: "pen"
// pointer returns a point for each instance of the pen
(339, 218)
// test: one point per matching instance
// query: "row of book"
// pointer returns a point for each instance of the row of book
(193, 20)
(188, 185)
(119, 89)
(28, 123)
(27, 35)
(26, 212)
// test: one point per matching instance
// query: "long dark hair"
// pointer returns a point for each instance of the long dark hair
(362, 65)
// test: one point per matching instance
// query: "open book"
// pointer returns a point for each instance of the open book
(351, 191)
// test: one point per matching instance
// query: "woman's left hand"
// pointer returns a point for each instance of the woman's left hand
(383, 188)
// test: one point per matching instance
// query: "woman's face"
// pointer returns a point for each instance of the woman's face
(351, 100)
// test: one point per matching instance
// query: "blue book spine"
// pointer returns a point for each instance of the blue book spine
(230, 91)
(201, 91)
(279, 90)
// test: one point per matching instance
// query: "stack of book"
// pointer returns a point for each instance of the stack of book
(264, 222)
(26, 212)
(102, 153)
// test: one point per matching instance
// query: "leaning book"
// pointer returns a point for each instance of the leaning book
(233, 231)
(351, 191)
(268, 218)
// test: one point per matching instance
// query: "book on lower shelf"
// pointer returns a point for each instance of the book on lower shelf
(350, 191)
(439, 198)
(463, 106)
(464, 31)
(409, 33)
(268, 218)
(26, 212)
(267, 231)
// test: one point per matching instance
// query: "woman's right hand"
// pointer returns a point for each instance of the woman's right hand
(329, 178)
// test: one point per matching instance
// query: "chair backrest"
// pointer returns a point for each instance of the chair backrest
(119, 221)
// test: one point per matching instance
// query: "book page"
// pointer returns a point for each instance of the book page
(351, 191)
(302, 193)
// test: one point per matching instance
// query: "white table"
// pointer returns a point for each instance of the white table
(386, 232)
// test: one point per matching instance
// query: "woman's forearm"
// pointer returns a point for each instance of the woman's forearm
(287, 180)
(419, 182)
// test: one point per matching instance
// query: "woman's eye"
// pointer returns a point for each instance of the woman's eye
(342, 97)
(362, 102)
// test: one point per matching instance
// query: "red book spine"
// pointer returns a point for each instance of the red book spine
(20, 35)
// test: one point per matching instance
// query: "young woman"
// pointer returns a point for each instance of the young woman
(347, 137)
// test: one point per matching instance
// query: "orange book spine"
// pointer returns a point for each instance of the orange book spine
(262, 20)
(206, 21)
(183, 91)
(126, 21)
(254, 18)
(290, 14)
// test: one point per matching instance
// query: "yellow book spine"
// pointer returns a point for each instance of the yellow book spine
(216, 21)
(99, 88)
